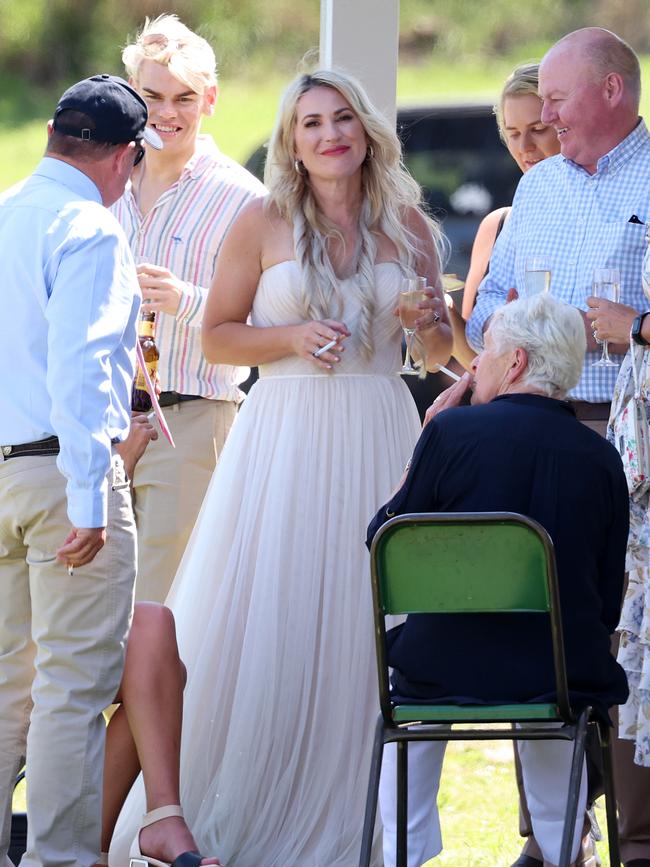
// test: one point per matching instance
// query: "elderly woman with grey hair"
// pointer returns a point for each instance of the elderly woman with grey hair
(518, 448)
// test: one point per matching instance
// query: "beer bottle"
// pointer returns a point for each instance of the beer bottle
(140, 397)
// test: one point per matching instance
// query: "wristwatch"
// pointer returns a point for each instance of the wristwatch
(637, 325)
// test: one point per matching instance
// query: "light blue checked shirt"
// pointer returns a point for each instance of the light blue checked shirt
(576, 222)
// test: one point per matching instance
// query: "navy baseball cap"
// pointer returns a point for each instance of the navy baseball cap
(118, 112)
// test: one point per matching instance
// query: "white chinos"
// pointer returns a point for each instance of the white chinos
(546, 767)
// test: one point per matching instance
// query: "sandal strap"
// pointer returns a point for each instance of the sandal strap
(187, 859)
(161, 813)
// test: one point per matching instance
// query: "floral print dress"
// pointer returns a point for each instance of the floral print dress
(634, 626)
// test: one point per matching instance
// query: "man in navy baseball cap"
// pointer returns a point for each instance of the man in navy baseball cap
(70, 300)
(118, 112)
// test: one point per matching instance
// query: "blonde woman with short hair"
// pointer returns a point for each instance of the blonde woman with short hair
(518, 113)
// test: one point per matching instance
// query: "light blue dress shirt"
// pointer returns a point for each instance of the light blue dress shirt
(70, 302)
(576, 222)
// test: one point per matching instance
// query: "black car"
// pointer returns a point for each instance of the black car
(454, 152)
(456, 155)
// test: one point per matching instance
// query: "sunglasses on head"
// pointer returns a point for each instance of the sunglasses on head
(160, 41)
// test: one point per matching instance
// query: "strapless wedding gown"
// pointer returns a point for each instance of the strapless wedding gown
(273, 602)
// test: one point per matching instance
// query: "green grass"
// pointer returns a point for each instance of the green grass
(478, 807)
(246, 108)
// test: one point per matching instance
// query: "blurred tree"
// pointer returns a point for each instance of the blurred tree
(628, 18)
(56, 41)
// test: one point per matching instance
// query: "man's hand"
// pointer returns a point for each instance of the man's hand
(81, 546)
(161, 290)
(452, 396)
(133, 447)
(610, 321)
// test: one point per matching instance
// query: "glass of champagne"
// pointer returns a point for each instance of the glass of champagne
(607, 285)
(537, 277)
(411, 295)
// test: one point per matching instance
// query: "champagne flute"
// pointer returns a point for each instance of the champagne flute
(607, 285)
(411, 295)
(537, 277)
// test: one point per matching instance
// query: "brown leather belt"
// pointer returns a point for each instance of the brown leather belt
(48, 446)
(586, 411)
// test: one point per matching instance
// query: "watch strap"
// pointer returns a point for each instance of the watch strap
(637, 325)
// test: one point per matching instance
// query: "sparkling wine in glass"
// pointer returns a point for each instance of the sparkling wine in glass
(537, 277)
(607, 285)
(411, 295)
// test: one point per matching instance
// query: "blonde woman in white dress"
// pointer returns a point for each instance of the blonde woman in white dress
(272, 600)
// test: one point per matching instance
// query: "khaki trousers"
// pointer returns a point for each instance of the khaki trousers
(632, 784)
(62, 641)
(169, 486)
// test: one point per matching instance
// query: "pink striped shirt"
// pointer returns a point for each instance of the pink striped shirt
(183, 232)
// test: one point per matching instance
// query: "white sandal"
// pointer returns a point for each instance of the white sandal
(137, 859)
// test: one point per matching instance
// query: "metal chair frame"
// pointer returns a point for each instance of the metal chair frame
(403, 723)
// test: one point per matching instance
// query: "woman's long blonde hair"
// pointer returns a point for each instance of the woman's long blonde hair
(388, 194)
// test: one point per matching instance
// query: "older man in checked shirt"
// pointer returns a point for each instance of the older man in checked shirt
(175, 213)
(585, 209)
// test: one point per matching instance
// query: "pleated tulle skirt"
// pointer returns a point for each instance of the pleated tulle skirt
(274, 617)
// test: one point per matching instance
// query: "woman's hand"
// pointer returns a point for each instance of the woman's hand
(452, 396)
(434, 311)
(610, 321)
(433, 330)
(313, 336)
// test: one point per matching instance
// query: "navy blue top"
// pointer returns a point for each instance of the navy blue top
(528, 454)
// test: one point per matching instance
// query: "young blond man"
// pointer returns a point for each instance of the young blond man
(176, 212)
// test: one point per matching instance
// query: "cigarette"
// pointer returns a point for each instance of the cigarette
(450, 373)
(151, 416)
(70, 571)
(318, 352)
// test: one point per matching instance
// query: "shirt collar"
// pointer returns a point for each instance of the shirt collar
(203, 157)
(539, 400)
(69, 176)
(621, 153)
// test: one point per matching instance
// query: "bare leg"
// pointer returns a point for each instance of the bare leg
(145, 732)
(121, 767)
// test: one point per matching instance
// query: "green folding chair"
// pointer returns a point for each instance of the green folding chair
(472, 563)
